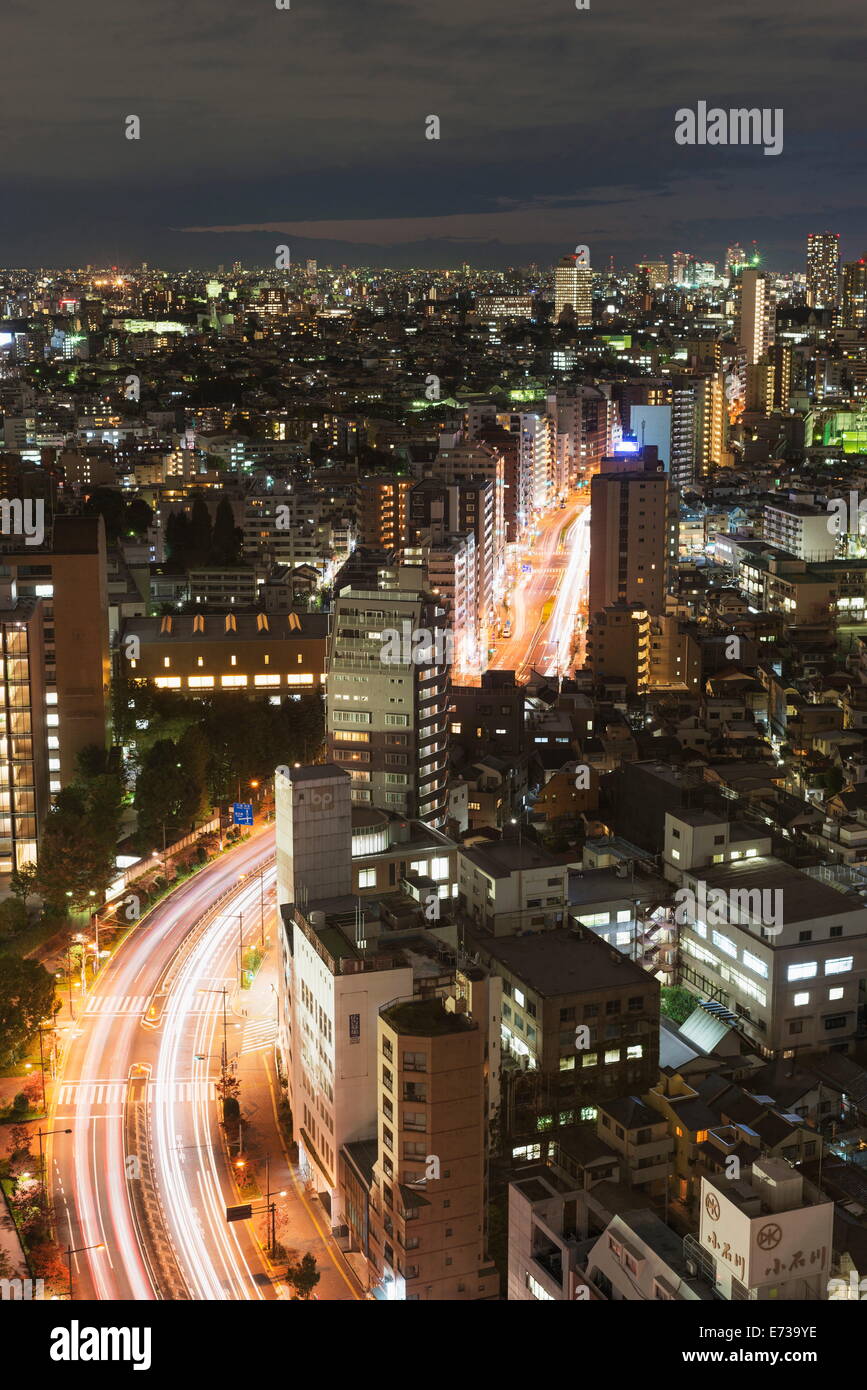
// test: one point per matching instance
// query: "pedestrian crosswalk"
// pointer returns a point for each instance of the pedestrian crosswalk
(114, 1005)
(114, 1092)
(258, 1035)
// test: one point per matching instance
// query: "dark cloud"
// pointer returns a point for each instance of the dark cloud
(557, 126)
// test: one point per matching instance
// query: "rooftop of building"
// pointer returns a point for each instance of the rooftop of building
(565, 962)
(804, 897)
(427, 1018)
(501, 858)
(631, 1112)
(212, 626)
(317, 772)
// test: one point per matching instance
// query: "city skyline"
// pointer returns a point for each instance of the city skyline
(239, 129)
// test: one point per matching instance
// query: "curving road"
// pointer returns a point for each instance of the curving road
(91, 1189)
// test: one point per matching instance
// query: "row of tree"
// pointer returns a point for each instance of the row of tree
(193, 540)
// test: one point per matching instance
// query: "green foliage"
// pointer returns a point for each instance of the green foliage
(26, 998)
(22, 882)
(303, 1276)
(79, 843)
(13, 917)
(677, 1003)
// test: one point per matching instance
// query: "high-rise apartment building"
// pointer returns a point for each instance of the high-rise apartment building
(633, 537)
(69, 573)
(853, 309)
(536, 454)
(388, 682)
(467, 508)
(573, 289)
(382, 500)
(823, 265)
(754, 314)
(24, 756)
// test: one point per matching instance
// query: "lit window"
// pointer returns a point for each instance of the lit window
(367, 878)
(233, 680)
(612, 1055)
(804, 970)
(838, 966)
(200, 682)
(801, 999)
(836, 993)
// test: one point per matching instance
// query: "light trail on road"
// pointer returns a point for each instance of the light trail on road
(219, 1260)
(107, 1041)
(560, 557)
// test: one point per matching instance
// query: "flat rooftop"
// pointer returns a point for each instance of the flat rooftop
(426, 1018)
(560, 962)
(804, 897)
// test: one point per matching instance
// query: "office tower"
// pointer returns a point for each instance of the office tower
(24, 757)
(314, 833)
(69, 573)
(382, 510)
(853, 310)
(736, 257)
(633, 537)
(656, 272)
(823, 264)
(388, 682)
(680, 264)
(754, 315)
(312, 270)
(573, 289)
(428, 1195)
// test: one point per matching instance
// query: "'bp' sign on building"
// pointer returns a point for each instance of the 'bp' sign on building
(242, 813)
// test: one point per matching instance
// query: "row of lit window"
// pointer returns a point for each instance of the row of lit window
(231, 682)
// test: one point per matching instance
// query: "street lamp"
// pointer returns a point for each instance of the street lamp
(224, 1060)
(77, 1251)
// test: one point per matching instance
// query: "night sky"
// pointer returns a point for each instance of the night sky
(307, 126)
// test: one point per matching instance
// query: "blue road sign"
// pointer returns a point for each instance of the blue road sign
(242, 813)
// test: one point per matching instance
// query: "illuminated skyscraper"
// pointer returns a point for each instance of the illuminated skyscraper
(854, 306)
(823, 265)
(736, 257)
(573, 288)
(754, 320)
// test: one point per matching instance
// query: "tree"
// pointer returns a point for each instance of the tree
(77, 857)
(677, 1003)
(139, 516)
(26, 998)
(303, 1276)
(200, 534)
(227, 537)
(22, 881)
(165, 794)
(13, 917)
